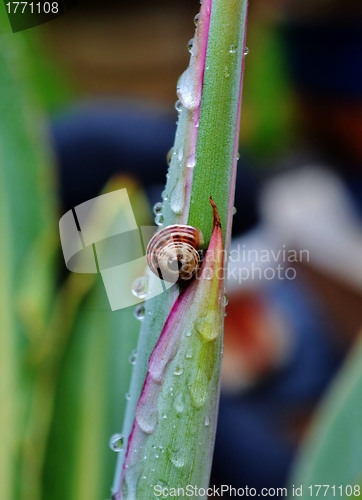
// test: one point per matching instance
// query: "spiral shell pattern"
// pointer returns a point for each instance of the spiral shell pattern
(173, 253)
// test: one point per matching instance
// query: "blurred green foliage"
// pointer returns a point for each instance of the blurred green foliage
(268, 119)
(53, 87)
(331, 454)
(64, 367)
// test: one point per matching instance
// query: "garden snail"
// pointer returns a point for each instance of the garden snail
(173, 254)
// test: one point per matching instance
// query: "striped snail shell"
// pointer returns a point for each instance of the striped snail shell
(173, 253)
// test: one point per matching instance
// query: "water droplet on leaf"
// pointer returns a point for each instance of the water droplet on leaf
(178, 371)
(140, 287)
(189, 88)
(159, 220)
(198, 387)
(191, 161)
(180, 154)
(178, 106)
(169, 155)
(178, 459)
(157, 208)
(116, 442)
(178, 403)
(139, 312)
(190, 45)
(133, 357)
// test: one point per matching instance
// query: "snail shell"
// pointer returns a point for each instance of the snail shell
(173, 253)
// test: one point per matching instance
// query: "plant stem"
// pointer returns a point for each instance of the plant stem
(217, 142)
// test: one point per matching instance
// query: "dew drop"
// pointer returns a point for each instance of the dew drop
(196, 19)
(157, 208)
(238, 156)
(178, 371)
(178, 106)
(180, 154)
(116, 442)
(128, 396)
(133, 357)
(188, 333)
(188, 88)
(140, 287)
(146, 417)
(207, 326)
(159, 220)
(164, 415)
(164, 195)
(199, 389)
(178, 459)
(177, 198)
(207, 421)
(246, 51)
(234, 210)
(191, 161)
(169, 155)
(189, 354)
(233, 49)
(139, 312)
(178, 403)
(226, 300)
(190, 45)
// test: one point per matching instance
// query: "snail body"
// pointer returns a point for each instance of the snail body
(173, 254)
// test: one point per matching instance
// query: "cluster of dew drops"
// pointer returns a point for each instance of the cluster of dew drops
(140, 285)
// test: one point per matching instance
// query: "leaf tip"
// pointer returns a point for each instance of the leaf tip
(217, 222)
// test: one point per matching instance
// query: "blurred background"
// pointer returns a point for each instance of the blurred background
(88, 107)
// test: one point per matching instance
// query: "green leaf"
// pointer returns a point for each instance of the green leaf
(331, 454)
(218, 137)
(173, 434)
(90, 400)
(27, 215)
(91, 374)
(203, 162)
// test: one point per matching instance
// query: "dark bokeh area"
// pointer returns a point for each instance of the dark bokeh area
(299, 188)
